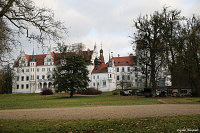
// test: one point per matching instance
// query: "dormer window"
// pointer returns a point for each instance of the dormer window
(33, 60)
(22, 62)
(48, 60)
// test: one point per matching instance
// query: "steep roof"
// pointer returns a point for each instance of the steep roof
(40, 58)
(118, 61)
(103, 68)
(124, 61)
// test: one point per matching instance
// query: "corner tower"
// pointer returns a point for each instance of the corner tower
(101, 55)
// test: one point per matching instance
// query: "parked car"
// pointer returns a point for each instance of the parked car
(140, 92)
(126, 92)
(148, 92)
(135, 91)
(163, 94)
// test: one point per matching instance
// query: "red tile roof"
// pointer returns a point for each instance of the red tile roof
(124, 61)
(40, 58)
(118, 61)
(101, 69)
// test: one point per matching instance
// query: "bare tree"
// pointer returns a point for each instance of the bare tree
(22, 17)
(150, 48)
(6, 40)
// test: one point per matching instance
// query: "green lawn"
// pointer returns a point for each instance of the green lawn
(141, 125)
(22, 101)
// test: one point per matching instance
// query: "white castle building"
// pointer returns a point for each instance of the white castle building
(35, 72)
(116, 74)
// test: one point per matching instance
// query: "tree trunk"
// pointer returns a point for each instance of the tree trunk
(146, 76)
(71, 93)
(153, 76)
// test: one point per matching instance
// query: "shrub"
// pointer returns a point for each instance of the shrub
(90, 91)
(115, 93)
(46, 92)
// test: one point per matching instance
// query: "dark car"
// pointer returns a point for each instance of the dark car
(148, 92)
(126, 92)
(140, 92)
(163, 94)
(134, 91)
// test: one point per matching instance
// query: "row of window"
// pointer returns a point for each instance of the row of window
(97, 77)
(38, 69)
(123, 69)
(23, 86)
(109, 76)
(97, 84)
(48, 63)
(122, 62)
(33, 63)
(124, 77)
(32, 77)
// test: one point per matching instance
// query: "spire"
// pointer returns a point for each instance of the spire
(22, 53)
(101, 55)
(33, 51)
(109, 55)
(101, 50)
(95, 46)
(49, 50)
(33, 58)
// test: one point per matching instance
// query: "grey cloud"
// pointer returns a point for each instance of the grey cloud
(109, 21)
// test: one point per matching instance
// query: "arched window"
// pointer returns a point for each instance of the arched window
(45, 85)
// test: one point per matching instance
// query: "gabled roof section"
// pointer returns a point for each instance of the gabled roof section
(40, 58)
(56, 57)
(87, 54)
(124, 61)
(103, 68)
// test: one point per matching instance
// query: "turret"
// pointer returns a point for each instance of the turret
(101, 55)
(33, 59)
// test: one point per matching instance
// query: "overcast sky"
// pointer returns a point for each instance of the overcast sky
(108, 21)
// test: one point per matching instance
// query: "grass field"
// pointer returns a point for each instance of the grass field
(141, 125)
(22, 101)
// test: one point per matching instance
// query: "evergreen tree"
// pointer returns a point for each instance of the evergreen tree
(72, 73)
(6, 77)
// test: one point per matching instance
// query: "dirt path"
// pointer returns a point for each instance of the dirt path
(102, 112)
